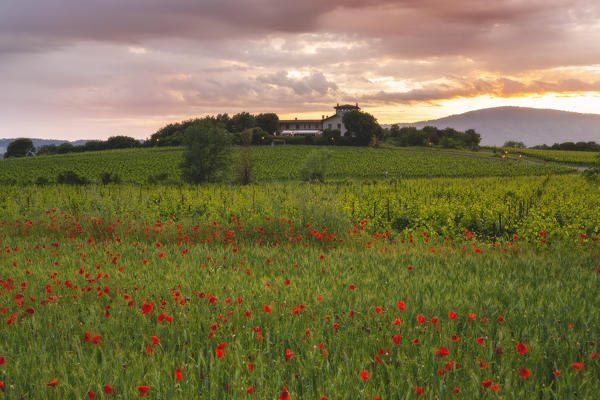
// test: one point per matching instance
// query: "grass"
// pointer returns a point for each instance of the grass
(546, 299)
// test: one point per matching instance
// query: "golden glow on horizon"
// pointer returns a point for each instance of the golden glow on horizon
(587, 103)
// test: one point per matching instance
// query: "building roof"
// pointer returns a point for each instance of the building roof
(300, 121)
(348, 106)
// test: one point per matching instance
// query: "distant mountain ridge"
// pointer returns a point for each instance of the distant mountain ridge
(531, 126)
(40, 142)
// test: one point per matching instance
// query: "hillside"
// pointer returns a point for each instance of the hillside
(278, 163)
(529, 125)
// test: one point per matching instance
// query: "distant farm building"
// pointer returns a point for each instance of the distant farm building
(312, 127)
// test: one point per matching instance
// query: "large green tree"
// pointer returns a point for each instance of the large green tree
(20, 148)
(207, 152)
(361, 125)
(267, 122)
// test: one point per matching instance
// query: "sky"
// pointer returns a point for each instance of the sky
(73, 69)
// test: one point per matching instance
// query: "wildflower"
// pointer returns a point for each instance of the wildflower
(521, 348)
(524, 373)
(364, 375)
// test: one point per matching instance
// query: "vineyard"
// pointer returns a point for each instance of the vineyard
(563, 156)
(489, 207)
(270, 164)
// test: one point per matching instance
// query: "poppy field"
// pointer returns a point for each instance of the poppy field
(126, 307)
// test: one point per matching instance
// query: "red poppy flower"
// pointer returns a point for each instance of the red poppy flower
(416, 341)
(364, 375)
(577, 366)
(289, 354)
(496, 387)
(434, 320)
(482, 364)
(352, 286)
(108, 389)
(219, 353)
(2, 361)
(96, 339)
(421, 319)
(456, 390)
(480, 340)
(143, 390)
(378, 310)
(454, 338)
(524, 373)
(52, 383)
(250, 367)
(521, 348)
(401, 306)
(442, 351)
(154, 340)
(149, 350)
(419, 390)
(486, 384)
(397, 338)
(267, 309)
(472, 316)
(91, 394)
(397, 322)
(2, 386)
(177, 374)
(556, 372)
(250, 390)
(284, 394)
(87, 336)
(451, 315)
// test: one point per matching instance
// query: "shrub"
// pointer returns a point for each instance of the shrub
(71, 178)
(315, 166)
(109, 177)
(207, 152)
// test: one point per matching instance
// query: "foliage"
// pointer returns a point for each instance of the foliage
(571, 146)
(315, 166)
(20, 148)
(146, 301)
(272, 163)
(563, 156)
(361, 125)
(207, 152)
(109, 177)
(268, 122)
(71, 178)
(514, 144)
(433, 136)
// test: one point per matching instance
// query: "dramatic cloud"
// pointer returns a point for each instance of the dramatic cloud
(99, 67)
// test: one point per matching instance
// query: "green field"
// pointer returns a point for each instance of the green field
(449, 273)
(563, 156)
(271, 163)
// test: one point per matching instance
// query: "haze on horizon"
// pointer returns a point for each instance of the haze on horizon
(94, 69)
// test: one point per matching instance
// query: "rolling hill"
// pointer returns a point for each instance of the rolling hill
(529, 125)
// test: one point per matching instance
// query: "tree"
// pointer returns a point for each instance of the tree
(121, 142)
(240, 122)
(514, 144)
(20, 148)
(207, 152)
(315, 166)
(361, 125)
(267, 122)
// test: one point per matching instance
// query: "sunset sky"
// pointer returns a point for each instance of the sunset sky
(74, 69)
